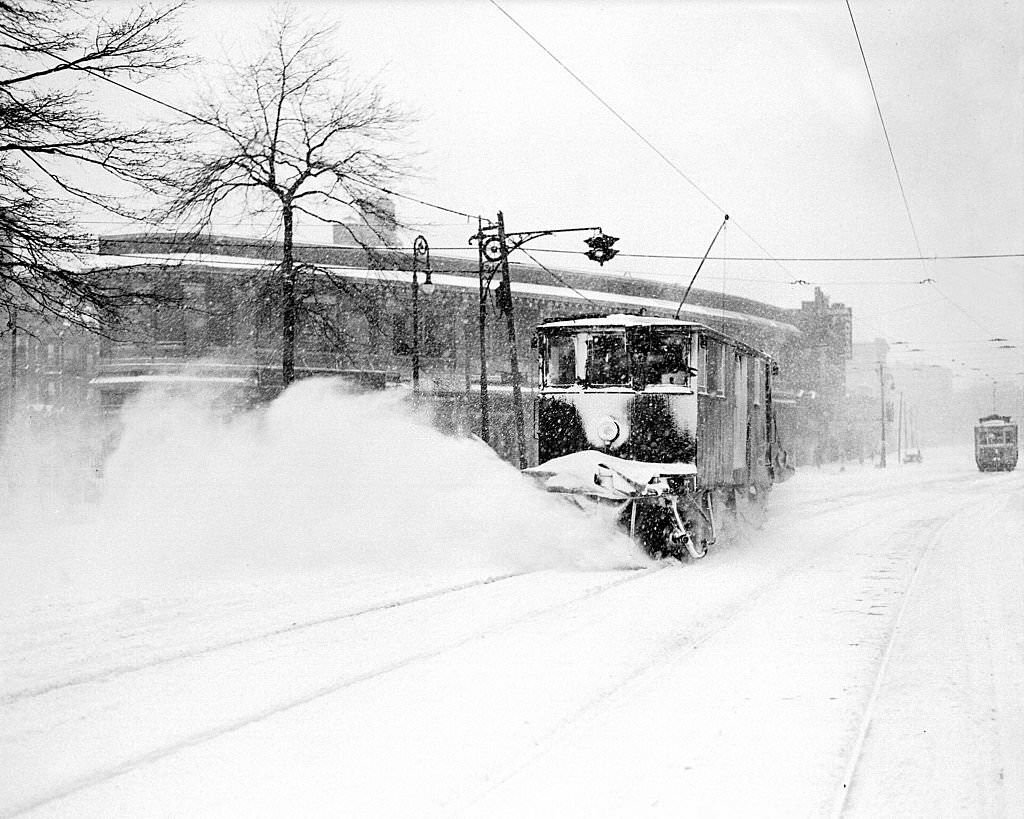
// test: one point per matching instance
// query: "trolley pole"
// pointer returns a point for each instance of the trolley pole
(513, 352)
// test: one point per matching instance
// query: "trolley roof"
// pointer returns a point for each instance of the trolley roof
(615, 321)
(995, 421)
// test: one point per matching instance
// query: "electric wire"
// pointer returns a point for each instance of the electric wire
(665, 256)
(636, 132)
(885, 130)
(558, 278)
(896, 170)
(815, 259)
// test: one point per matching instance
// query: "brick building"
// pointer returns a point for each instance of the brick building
(218, 325)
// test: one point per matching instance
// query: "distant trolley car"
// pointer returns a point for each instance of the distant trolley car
(662, 420)
(995, 443)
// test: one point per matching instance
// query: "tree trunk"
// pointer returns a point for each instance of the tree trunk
(288, 306)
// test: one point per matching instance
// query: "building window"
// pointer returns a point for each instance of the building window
(401, 335)
(219, 315)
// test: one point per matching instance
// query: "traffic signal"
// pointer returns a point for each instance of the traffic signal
(601, 248)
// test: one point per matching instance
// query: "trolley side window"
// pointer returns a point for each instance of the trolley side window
(668, 359)
(712, 367)
(607, 360)
(560, 360)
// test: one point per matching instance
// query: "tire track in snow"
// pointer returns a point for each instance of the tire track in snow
(114, 671)
(126, 766)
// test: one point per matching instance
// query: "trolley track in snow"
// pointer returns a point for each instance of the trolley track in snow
(843, 792)
(113, 671)
(857, 775)
(689, 642)
(281, 705)
(886, 586)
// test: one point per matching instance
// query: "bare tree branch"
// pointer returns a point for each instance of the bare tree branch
(287, 127)
(50, 136)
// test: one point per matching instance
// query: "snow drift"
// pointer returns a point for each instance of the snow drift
(320, 479)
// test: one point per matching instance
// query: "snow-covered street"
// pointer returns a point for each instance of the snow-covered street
(861, 654)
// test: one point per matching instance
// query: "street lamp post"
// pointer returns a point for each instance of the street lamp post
(494, 245)
(420, 253)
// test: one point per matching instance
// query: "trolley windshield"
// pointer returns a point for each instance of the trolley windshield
(617, 357)
(995, 436)
(589, 359)
(665, 355)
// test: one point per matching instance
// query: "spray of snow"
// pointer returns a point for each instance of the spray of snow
(320, 480)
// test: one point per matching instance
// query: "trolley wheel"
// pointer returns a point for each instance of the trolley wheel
(696, 529)
(653, 526)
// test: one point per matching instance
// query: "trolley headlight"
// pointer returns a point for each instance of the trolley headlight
(608, 430)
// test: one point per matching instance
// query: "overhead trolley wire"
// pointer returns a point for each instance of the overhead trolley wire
(896, 170)
(606, 105)
(687, 257)
(630, 126)
(885, 131)
(558, 278)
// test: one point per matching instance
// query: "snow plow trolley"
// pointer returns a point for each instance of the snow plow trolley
(657, 419)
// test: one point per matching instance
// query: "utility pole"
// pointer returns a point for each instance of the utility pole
(881, 389)
(513, 352)
(899, 433)
(482, 322)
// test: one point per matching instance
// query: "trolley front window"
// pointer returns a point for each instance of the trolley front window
(997, 437)
(607, 360)
(560, 361)
(668, 359)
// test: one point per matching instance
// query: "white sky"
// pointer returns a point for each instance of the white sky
(765, 106)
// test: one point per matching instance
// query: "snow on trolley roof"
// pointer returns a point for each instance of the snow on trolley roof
(619, 320)
(995, 420)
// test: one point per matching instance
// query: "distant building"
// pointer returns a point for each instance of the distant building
(815, 369)
(376, 226)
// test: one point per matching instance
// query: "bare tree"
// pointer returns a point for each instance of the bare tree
(59, 151)
(289, 133)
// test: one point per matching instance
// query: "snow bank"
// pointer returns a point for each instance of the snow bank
(319, 480)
